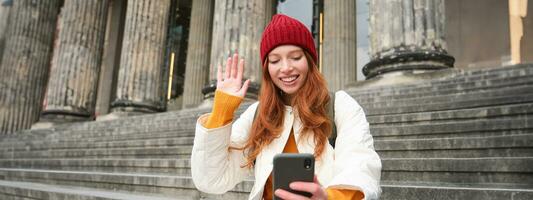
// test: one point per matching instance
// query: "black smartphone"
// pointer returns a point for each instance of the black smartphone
(291, 167)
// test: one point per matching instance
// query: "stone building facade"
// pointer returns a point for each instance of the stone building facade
(112, 58)
(448, 92)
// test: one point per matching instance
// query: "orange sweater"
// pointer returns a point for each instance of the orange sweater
(223, 109)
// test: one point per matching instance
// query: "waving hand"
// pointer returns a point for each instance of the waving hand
(231, 81)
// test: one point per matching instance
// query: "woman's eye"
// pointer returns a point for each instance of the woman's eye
(297, 58)
(273, 61)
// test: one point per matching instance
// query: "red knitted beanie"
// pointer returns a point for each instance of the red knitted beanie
(286, 30)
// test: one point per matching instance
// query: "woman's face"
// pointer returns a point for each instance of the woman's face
(288, 68)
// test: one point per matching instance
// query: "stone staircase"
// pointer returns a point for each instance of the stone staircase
(466, 135)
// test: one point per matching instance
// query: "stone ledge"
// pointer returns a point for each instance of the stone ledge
(168, 152)
(153, 166)
(401, 94)
(447, 77)
(15, 189)
(150, 183)
(520, 94)
(464, 126)
(90, 143)
(453, 115)
(459, 143)
(401, 190)
(523, 165)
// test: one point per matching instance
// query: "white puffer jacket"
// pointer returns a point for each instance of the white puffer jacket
(353, 164)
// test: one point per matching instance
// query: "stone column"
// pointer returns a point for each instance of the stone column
(111, 56)
(140, 77)
(71, 93)
(237, 26)
(4, 15)
(407, 35)
(197, 66)
(25, 63)
(271, 7)
(339, 65)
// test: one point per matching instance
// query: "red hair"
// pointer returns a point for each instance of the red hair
(310, 102)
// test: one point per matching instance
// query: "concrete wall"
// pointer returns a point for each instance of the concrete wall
(527, 38)
(478, 32)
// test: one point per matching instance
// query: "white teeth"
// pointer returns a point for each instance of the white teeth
(289, 79)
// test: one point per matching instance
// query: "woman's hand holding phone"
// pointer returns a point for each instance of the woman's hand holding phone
(317, 191)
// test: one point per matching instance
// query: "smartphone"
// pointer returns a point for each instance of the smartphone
(291, 167)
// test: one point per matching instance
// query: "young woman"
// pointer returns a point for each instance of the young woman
(292, 118)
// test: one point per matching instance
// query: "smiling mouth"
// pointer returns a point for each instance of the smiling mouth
(289, 79)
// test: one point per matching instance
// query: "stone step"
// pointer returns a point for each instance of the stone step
(144, 123)
(122, 135)
(119, 130)
(153, 123)
(516, 172)
(148, 152)
(181, 118)
(509, 145)
(462, 128)
(108, 136)
(481, 85)
(477, 112)
(168, 185)
(460, 147)
(91, 143)
(450, 106)
(423, 191)
(449, 78)
(515, 95)
(83, 134)
(29, 190)
(401, 92)
(181, 167)
(453, 115)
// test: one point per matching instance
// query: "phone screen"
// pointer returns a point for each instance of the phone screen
(291, 167)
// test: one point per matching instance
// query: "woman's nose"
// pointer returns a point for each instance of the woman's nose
(286, 67)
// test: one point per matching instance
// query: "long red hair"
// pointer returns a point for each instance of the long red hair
(310, 102)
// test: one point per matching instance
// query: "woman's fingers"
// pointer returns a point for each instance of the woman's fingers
(231, 80)
(287, 195)
(244, 88)
(227, 73)
(234, 63)
(312, 188)
(240, 70)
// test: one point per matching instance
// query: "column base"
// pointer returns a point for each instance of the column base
(50, 118)
(64, 116)
(404, 77)
(408, 61)
(135, 107)
(118, 115)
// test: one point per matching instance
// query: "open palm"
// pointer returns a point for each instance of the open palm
(231, 81)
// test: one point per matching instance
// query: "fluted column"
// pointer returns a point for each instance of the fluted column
(140, 77)
(407, 35)
(197, 66)
(237, 26)
(4, 14)
(111, 56)
(25, 63)
(339, 46)
(75, 67)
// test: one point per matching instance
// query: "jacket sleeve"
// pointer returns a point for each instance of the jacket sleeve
(215, 168)
(357, 166)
